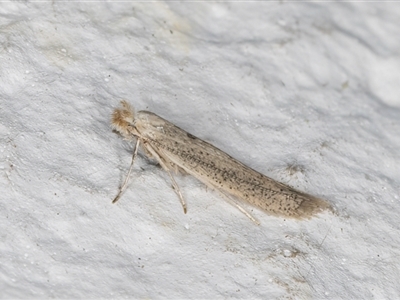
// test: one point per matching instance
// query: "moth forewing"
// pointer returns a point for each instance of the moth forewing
(176, 149)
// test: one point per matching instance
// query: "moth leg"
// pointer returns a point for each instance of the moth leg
(178, 191)
(165, 167)
(123, 186)
(234, 203)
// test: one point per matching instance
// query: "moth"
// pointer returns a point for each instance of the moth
(178, 151)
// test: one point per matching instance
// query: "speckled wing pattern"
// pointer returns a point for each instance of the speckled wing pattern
(180, 150)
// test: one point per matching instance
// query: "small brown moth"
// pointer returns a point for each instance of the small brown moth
(179, 151)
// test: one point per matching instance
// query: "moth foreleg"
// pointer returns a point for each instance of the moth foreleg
(123, 186)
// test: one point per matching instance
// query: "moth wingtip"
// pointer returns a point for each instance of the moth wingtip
(312, 206)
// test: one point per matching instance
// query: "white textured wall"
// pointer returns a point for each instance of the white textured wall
(306, 93)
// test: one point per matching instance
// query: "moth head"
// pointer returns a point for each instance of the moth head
(123, 118)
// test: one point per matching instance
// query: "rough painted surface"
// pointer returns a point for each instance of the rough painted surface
(307, 94)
